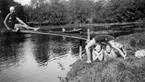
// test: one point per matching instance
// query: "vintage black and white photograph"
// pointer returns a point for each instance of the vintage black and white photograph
(72, 40)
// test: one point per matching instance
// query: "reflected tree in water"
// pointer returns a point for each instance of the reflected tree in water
(9, 50)
(50, 48)
(41, 50)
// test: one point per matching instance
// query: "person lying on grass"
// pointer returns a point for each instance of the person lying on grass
(109, 53)
(97, 52)
(105, 52)
(12, 22)
(102, 38)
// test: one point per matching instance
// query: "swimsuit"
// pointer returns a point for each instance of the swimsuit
(12, 20)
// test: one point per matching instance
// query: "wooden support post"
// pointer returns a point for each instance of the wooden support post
(88, 34)
(74, 29)
(63, 30)
(64, 38)
(80, 51)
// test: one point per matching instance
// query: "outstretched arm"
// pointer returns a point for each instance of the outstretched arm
(112, 43)
(5, 22)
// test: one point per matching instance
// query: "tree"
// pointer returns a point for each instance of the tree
(57, 14)
(80, 10)
(125, 10)
(37, 3)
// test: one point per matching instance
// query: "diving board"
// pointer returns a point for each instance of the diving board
(54, 34)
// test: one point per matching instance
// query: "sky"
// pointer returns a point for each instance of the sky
(23, 2)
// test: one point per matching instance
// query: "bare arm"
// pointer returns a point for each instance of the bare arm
(5, 21)
(124, 51)
(118, 49)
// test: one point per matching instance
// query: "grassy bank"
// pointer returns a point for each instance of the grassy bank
(116, 70)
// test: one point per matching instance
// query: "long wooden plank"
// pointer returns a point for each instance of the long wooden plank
(105, 25)
(54, 34)
(73, 31)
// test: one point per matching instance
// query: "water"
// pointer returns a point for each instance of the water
(35, 58)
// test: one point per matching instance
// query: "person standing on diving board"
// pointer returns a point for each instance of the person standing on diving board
(14, 23)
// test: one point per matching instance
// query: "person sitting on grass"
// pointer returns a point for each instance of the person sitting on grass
(97, 52)
(102, 38)
(12, 22)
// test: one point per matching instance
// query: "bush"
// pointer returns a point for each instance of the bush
(137, 40)
(133, 43)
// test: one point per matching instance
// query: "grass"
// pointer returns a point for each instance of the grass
(115, 70)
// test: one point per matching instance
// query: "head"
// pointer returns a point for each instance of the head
(12, 9)
(108, 48)
(98, 47)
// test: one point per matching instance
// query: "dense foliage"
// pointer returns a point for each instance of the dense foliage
(86, 11)
(58, 12)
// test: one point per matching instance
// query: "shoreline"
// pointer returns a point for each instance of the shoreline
(114, 70)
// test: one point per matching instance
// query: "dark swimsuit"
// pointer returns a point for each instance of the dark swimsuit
(12, 20)
(103, 38)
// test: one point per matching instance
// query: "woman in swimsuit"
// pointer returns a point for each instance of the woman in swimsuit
(12, 22)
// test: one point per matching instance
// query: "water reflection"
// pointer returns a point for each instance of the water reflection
(41, 50)
(35, 58)
(9, 51)
(49, 48)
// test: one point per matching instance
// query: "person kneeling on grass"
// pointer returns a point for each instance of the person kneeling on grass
(102, 38)
(12, 22)
(97, 52)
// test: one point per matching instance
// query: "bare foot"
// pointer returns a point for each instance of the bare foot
(88, 61)
(15, 30)
(35, 29)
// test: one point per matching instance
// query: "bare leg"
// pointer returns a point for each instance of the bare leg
(89, 44)
(18, 26)
(28, 27)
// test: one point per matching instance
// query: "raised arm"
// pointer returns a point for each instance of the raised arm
(5, 21)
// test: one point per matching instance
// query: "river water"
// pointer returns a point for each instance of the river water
(36, 58)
